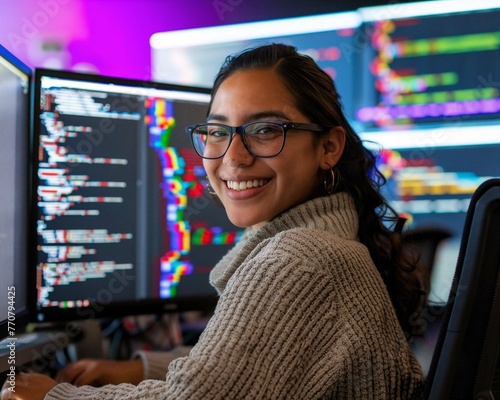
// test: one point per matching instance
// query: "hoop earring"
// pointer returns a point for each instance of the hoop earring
(329, 181)
(212, 193)
(209, 188)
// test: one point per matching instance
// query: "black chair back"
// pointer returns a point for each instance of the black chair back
(465, 357)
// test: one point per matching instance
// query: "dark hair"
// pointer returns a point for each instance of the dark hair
(317, 98)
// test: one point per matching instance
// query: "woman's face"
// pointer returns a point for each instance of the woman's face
(284, 181)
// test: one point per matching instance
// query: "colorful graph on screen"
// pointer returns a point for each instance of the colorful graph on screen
(435, 185)
(179, 182)
(434, 69)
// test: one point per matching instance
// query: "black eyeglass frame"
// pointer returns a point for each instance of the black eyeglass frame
(286, 126)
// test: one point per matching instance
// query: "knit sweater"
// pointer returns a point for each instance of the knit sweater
(303, 314)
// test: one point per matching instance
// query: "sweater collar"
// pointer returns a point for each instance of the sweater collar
(335, 214)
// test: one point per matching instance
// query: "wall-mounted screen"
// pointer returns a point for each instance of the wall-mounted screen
(430, 69)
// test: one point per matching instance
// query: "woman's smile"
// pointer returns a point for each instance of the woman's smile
(246, 184)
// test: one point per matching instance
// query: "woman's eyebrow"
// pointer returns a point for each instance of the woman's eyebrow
(216, 117)
(261, 115)
(268, 114)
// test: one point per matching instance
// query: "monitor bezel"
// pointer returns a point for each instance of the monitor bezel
(22, 316)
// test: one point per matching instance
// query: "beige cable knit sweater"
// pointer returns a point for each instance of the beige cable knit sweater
(303, 314)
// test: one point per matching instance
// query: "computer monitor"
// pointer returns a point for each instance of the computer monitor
(123, 223)
(14, 177)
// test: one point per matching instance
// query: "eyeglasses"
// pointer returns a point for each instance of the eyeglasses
(263, 139)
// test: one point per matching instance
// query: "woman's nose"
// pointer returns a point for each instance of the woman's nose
(237, 153)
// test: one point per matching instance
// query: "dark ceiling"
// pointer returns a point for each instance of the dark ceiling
(236, 11)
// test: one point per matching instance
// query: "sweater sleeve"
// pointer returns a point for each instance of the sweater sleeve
(155, 363)
(146, 390)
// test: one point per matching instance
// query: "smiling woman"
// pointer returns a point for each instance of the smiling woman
(316, 299)
(243, 99)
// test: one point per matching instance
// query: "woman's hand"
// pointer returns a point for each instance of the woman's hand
(27, 386)
(97, 372)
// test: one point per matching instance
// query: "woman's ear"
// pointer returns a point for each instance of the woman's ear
(333, 147)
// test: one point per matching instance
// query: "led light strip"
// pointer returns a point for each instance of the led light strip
(423, 8)
(433, 137)
(255, 30)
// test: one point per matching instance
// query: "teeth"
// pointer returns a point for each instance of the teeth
(246, 184)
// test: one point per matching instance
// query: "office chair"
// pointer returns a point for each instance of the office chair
(466, 353)
(424, 242)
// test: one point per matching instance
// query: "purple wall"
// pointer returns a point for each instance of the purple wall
(110, 37)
